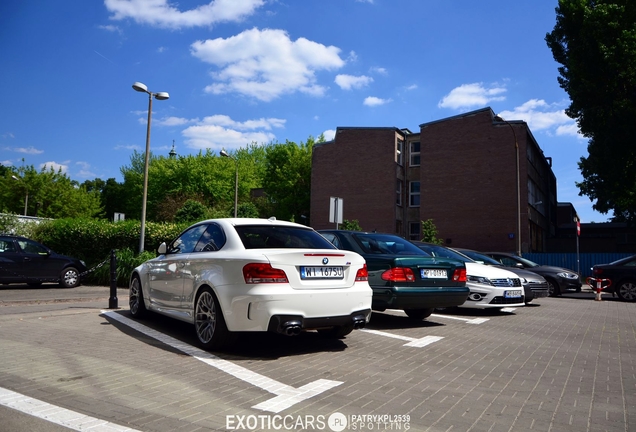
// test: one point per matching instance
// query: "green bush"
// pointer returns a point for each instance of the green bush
(92, 240)
(126, 260)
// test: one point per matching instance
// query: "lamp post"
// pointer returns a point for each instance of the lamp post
(140, 87)
(26, 197)
(227, 155)
(499, 118)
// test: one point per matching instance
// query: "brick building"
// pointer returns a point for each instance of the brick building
(460, 171)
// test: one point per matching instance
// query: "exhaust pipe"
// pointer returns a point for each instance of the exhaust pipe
(359, 322)
(291, 328)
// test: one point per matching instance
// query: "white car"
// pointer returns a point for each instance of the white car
(240, 275)
(490, 287)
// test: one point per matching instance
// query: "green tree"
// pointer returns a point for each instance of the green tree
(429, 232)
(192, 211)
(351, 225)
(595, 42)
(287, 180)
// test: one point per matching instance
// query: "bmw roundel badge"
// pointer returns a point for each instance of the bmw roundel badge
(325, 260)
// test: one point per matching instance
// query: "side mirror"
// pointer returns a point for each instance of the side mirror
(519, 265)
(161, 250)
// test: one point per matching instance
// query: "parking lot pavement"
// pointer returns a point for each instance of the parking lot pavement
(562, 364)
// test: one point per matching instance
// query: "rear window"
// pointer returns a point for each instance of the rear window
(281, 237)
(386, 244)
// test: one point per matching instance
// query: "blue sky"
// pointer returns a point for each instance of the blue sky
(241, 71)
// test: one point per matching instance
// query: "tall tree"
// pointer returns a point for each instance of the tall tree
(287, 181)
(595, 42)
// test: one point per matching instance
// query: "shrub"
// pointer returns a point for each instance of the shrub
(126, 261)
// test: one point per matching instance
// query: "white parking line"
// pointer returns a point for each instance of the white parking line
(412, 342)
(466, 320)
(286, 396)
(58, 415)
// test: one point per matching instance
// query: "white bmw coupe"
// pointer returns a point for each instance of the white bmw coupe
(236, 275)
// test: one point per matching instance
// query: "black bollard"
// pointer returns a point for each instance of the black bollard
(112, 301)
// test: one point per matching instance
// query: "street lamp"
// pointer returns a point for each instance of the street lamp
(227, 155)
(501, 119)
(26, 198)
(140, 87)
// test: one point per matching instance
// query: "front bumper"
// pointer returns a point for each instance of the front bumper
(488, 297)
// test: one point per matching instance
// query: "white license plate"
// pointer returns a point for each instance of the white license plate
(433, 274)
(512, 294)
(321, 272)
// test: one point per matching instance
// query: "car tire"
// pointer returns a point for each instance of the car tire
(337, 332)
(209, 323)
(626, 290)
(553, 288)
(136, 299)
(418, 314)
(69, 278)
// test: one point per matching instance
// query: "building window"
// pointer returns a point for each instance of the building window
(414, 230)
(414, 152)
(414, 194)
(398, 192)
(399, 152)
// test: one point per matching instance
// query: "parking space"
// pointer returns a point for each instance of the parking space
(563, 364)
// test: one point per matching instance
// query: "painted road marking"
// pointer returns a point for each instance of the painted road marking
(466, 320)
(58, 415)
(412, 342)
(286, 396)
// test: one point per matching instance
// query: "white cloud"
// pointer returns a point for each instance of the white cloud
(347, 82)
(128, 147)
(220, 131)
(55, 166)
(173, 121)
(379, 70)
(85, 171)
(161, 14)
(471, 95)
(542, 116)
(27, 150)
(329, 134)
(411, 87)
(266, 64)
(375, 101)
(110, 28)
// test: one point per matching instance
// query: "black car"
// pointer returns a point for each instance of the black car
(534, 285)
(559, 279)
(26, 261)
(403, 276)
(622, 276)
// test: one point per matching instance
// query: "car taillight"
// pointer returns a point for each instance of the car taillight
(459, 275)
(255, 273)
(399, 274)
(363, 274)
(597, 271)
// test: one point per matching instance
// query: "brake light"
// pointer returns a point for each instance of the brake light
(598, 271)
(459, 275)
(255, 273)
(363, 274)
(399, 274)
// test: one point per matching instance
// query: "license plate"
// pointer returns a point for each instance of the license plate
(321, 272)
(512, 294)
(433, 274)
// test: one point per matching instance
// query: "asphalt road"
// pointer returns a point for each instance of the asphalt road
(563, 364)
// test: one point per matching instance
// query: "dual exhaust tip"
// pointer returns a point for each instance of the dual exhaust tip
(294, 327)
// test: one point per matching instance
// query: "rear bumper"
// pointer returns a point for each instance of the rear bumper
(291, 324)
(418, 298)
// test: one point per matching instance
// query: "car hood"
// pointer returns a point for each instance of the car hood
(550, 269)
(490, 272)
(526, 274)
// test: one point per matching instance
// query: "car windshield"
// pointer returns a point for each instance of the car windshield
(277, 237)
(441, 251)
(526, 262)
(481, 258)
(372, 243)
